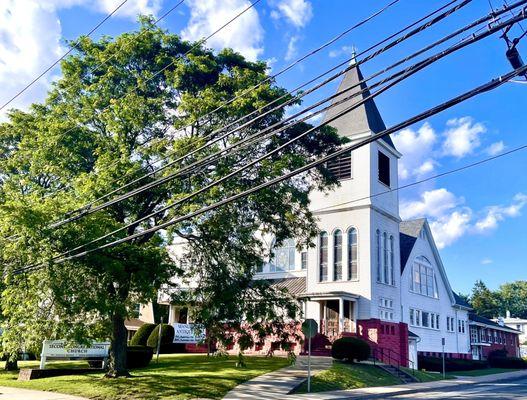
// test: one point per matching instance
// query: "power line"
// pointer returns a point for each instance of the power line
(87, 209)
(440, 175)
(276, 125)
(20, 92)
(409, 72)
(249, 90)
(450, 103)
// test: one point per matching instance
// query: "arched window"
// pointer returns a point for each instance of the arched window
(423, 278)
(392, 260)
(379, 258)
(323, 256)
(337, 255)
(283, 257)
(353, 270)
(386, 272)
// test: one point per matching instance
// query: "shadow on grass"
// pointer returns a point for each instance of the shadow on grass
(175, 376)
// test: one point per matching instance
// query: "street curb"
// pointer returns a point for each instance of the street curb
(430, 389)
(452, 385)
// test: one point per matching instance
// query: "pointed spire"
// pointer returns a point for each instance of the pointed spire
(363, 119)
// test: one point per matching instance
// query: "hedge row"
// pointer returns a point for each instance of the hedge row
(451, 364)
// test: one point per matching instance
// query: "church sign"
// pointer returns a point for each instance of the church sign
(187, 333)
(60, 349)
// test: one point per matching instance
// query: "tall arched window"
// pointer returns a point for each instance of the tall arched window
(283, 256)
(353, 271)
(379, 257)
(323, 256)
(386, 272)
(337, 255)
(392, 260)
(423, 278)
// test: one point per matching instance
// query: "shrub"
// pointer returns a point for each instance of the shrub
(138, 356)
(141, 336)
(350, 349)
(508, 362)
(451, 364)
(167, 336)
(501, 353)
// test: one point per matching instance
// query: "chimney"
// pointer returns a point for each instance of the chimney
(507, 314)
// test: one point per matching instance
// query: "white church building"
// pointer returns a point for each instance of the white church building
(370, 274)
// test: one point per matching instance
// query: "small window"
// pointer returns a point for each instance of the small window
(303, 259)
(340, 167)
(384, 168)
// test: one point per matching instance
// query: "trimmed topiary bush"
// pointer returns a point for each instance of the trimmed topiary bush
(141, 336)
(350, 349)
(138, 356)
(167, 336)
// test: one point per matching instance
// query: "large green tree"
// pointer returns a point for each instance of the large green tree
(109, 118)
(484, 301)
(513, 298)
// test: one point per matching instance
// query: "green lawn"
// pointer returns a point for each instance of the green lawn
(177, 376)
(425, 376)
(481, 372)
(349, 376)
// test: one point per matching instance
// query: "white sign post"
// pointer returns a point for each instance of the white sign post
(59, 349)
(186, 333)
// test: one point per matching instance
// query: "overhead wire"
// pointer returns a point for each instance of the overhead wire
(420, 117)
(420, 181)
(87, 208)
(410, 71)
(72, 47)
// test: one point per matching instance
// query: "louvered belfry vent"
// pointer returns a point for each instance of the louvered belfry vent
(340, 167)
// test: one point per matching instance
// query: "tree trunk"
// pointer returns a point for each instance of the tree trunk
(117, 367)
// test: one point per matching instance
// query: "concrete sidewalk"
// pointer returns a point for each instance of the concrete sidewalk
(276, 384)
(388, 391)
(12, 393)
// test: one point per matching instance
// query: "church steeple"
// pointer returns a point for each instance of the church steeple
(363, 119)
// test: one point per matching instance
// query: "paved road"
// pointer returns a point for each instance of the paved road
(510, 389)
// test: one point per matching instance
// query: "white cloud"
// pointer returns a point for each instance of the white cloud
(347, 50)
(433, 203)
(244, 35)
(487, 261)
(462, 136)
(292, 50)
(495, 148)
(495, 214)
(31, 40)
(416, 148)
(296, 12)
(450, 227)
(450, 219)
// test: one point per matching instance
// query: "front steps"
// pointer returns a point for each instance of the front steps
(398, 373)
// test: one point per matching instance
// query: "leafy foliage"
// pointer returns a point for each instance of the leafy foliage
(102, 127)
(138, 356)
(167, 335)
(350, 349)
(141, 336)
(510, 297)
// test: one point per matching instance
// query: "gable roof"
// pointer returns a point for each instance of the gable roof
(408, 234)
(478, 319)
(460, 301)
(362, 119)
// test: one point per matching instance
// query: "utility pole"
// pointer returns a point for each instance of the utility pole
(443, 348)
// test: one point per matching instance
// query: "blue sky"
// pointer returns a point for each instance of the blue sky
(477, 216)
